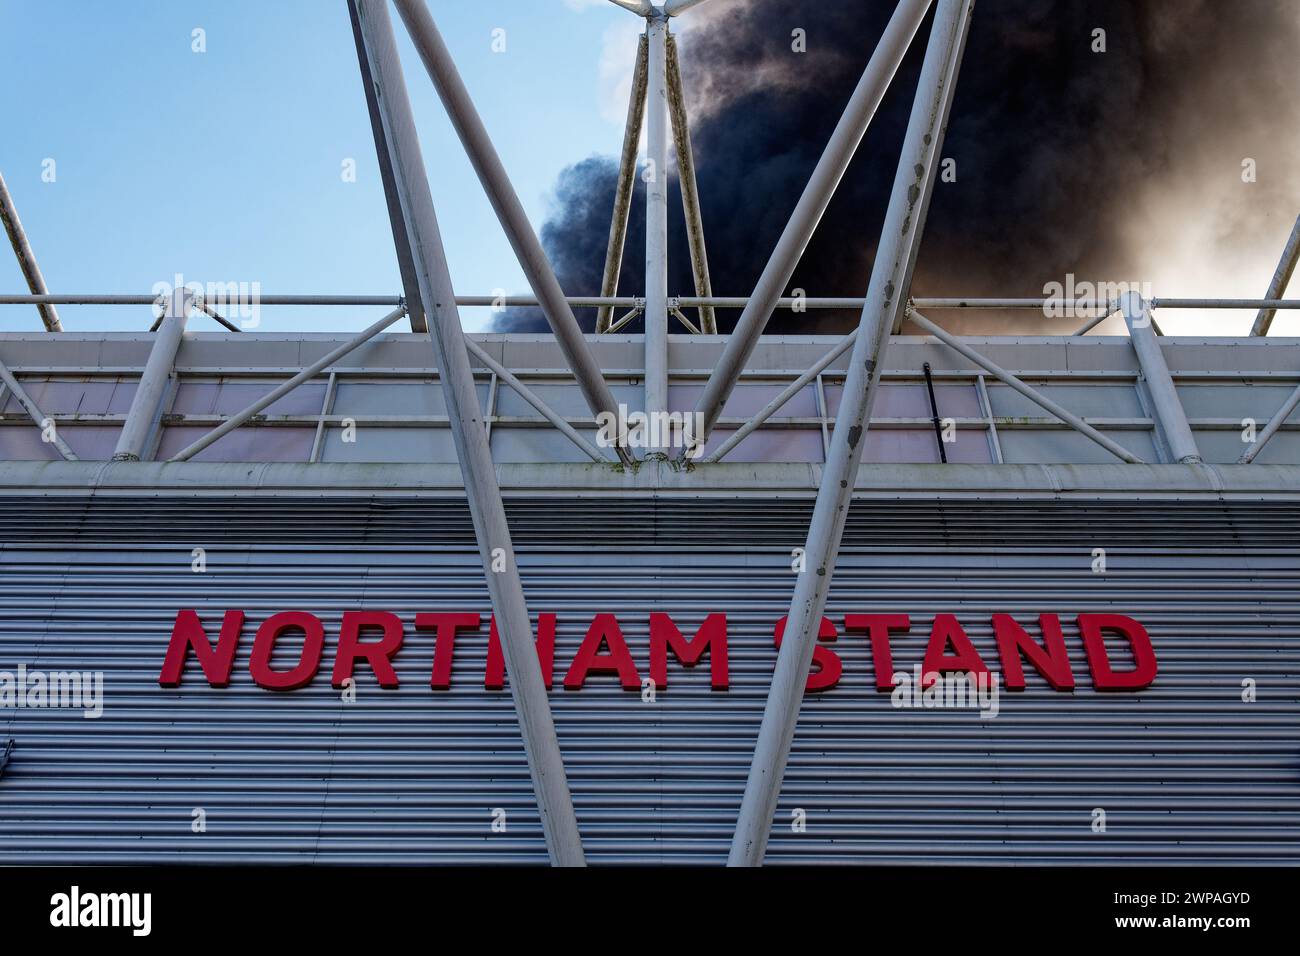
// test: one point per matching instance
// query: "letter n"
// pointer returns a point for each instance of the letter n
(1050, 660)
(217, 663)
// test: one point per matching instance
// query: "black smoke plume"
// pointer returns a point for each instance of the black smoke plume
(1123, 165)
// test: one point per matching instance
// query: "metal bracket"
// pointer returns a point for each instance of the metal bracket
(4, 756)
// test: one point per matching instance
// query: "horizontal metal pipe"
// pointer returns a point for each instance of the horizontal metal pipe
(323, 362)
(531, 397)
(686, 302)
(789, 392)
(1035, 396)
(212, 300)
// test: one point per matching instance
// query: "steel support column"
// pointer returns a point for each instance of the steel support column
(26, 258)
(510, 211)
(887, 294)
(401, 242)
(1170, 415)
(812, 204)
(656, 226)
(624, 187)
(1281, 278)
(143, 415)
(559, 824)
(690, 191)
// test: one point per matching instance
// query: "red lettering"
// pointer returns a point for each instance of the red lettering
(217, 663)
(946, 630)
(444, 645)
(379, 654)
(495, 676)
(711, 637)
(878, 627)
(604, 631)
(1050, 660)
(826, 664)
(300, 674)
(1092, 626)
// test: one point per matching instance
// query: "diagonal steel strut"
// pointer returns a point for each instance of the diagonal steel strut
(852, 126)
(26, 258)
(690, 191)
(401, 241)
(559, 824)
(626, 182)
(887, 296)
(510, 211)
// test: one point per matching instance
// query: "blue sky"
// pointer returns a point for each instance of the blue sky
(226, 165)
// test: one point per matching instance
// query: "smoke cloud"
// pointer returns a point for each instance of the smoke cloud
(1129, 165)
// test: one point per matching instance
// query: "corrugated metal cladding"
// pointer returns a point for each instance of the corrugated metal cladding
(1185, 771)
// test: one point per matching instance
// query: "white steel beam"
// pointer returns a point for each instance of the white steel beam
(812, 204)
(1035, 396)
(626, 183)
(143, 416)
(1170, 415)
(656, 226)
(510, 211)
(26, 258)
(559, 824)
(401, 242)
(1281, 278)
(891, 276)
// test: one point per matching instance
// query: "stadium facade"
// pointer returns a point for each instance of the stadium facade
(100, 559)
